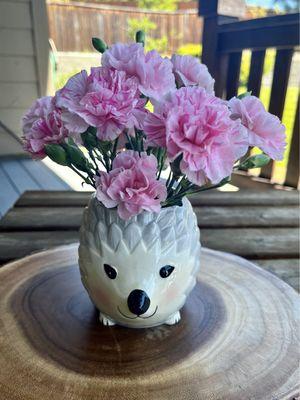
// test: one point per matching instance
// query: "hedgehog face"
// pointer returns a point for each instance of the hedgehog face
(137, 274)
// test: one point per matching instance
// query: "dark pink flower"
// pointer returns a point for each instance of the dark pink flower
(131, 185)
(47, 129)
(264, 129)
(40, 108)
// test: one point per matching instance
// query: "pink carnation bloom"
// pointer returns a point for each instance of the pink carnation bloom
(264, 129)
(197, 125)
(131, 185)
(123, 57)
(155, 75)
(189, 71)
(153, 72)
(40, 108)
(106, 99)
(46, 129)
(155, 129)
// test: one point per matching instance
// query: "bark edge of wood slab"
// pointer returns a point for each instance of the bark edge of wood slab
(238, 338)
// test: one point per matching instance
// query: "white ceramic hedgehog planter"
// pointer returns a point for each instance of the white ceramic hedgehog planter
(139, 272)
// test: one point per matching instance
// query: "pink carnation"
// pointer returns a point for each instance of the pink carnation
(131, 185)
(106, 99)
(155, 75)
(153, 72)
(197, 125)
(123, 57)
(189, 71)
(264, 129)
(155, 129)
(46, 129)
(40, 108)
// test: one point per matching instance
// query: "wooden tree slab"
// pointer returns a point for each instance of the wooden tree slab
(238, 338)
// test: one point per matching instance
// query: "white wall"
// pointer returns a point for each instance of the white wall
(23, 62)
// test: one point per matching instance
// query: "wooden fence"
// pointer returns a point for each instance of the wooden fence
(223, 43)
(72, 26)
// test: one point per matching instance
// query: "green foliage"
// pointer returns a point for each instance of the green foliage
(256, 161)
(165, 5)
(190, 49)
(147, 26)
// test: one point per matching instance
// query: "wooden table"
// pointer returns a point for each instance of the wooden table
(260, 226)
(238, 337)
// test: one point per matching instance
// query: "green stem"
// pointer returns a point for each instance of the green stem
(93, 159)
(174, 199)
(86, 179)
(129, 140)
(114, 151)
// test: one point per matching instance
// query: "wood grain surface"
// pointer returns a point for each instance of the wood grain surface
(238, 338)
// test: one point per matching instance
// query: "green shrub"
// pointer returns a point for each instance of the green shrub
(148, 26)
(190, 49)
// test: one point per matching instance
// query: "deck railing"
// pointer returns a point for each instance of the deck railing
(225, 38)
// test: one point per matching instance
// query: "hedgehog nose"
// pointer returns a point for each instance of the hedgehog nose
(138, 302)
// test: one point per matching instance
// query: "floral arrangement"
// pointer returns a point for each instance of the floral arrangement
(138, 114)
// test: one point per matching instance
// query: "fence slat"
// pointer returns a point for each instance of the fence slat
(278, 93)
(256, 71)
(293, 169)
(233, 75)
(85, 20)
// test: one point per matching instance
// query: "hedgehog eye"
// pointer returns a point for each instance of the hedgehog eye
(110, 271)
(166, 271)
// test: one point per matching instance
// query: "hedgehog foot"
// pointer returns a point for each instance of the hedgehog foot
(173, 319)
(105, 320)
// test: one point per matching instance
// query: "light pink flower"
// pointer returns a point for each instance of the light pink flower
(189, 71)
(131, 185)
(106, 99)
(264, 129)
(155, 129)
(123, 57)
(155, 75)
(199, 128)
(153, 72)
(47, 129)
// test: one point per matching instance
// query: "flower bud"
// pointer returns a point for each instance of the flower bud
(56, 153)
(257, 161)
(99, 44)
(140, 37)
(76, 157)
(89, 139)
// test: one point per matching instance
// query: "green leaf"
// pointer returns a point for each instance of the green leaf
(99, 45)
(104, 146)
(175, 166)
(140, 37)
(89, 139)
(245, 94)
(257, 161)
(56, 153)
